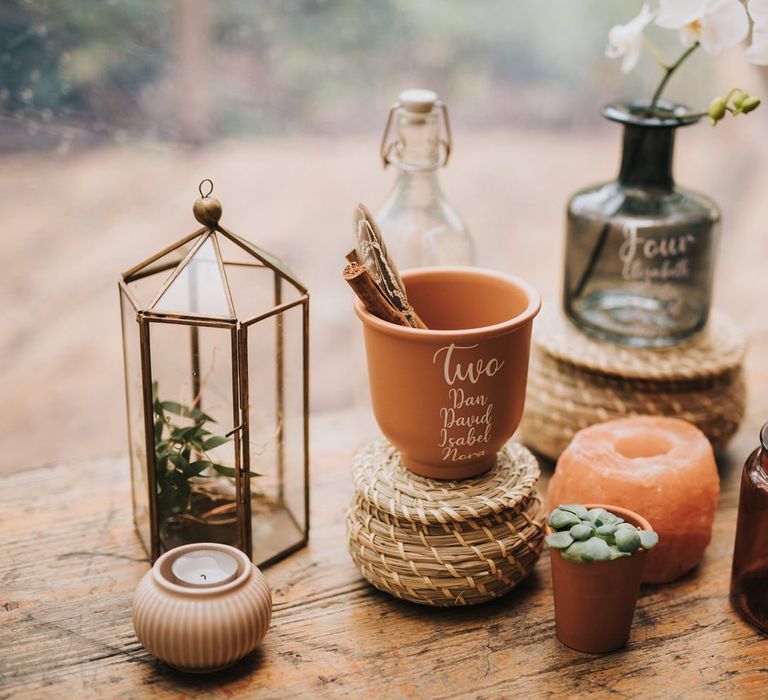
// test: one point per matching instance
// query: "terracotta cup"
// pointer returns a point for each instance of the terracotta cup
(450, 396)
(595, 601)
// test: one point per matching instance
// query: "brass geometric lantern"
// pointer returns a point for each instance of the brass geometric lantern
(215, 339)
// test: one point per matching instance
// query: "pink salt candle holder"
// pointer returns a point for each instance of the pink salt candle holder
(663, 468)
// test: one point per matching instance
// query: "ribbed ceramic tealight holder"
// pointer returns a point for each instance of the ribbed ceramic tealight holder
(202, 607)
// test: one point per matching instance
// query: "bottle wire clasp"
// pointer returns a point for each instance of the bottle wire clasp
(389, 144)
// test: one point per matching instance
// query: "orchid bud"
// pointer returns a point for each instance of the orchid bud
(716, 109)
(749, 104)
(738, 98)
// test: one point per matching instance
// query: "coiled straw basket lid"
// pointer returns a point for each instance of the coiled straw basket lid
(576, 381)
(445, 543)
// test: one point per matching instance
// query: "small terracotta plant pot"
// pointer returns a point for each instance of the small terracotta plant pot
(595, 601)
(448, 397)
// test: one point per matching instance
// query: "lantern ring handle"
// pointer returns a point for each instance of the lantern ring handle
(200, 188)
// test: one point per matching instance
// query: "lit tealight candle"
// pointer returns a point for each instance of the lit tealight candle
(203, 568)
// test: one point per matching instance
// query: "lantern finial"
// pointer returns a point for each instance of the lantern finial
(207, 209)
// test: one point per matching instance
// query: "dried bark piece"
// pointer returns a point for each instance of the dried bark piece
(372, 252)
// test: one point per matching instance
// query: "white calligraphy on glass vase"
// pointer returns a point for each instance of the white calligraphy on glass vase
(646, 259)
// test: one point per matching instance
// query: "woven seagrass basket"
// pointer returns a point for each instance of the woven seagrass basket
(576, 381)
(445, 543)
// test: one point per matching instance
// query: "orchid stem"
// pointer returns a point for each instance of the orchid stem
(669, 72)
(655, 53)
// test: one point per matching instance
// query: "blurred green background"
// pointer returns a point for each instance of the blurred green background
(85, 71)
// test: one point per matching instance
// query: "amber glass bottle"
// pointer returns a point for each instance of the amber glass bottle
(749, 579)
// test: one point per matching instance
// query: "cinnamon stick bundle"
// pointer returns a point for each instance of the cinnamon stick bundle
(358, 277)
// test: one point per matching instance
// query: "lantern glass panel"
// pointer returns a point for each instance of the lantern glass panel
(276, 432)
(293, 414)
(199, 286)
(251, 283)
(145, 283)
(196, 464)
(135, 414)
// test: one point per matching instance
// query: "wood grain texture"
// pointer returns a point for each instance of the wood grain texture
(70, 561)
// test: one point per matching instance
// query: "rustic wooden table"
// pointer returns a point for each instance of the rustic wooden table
(70, 561)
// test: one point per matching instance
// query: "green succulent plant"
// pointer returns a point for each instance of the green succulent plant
(584, 535)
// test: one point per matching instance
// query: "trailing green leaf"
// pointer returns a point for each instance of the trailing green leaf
(215, 441)
(178, 460)
(228, 471)
(197, 468)
(186, 412)
(180, 455)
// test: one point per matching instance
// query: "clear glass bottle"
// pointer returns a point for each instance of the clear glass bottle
(640, 251)
(419, 226)
(749, 577)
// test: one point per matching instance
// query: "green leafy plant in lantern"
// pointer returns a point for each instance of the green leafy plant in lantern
(584, 535)
(192, 502)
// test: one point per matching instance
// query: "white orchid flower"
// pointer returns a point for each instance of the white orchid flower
(758, 51)
(625, 41)
(715, 24)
